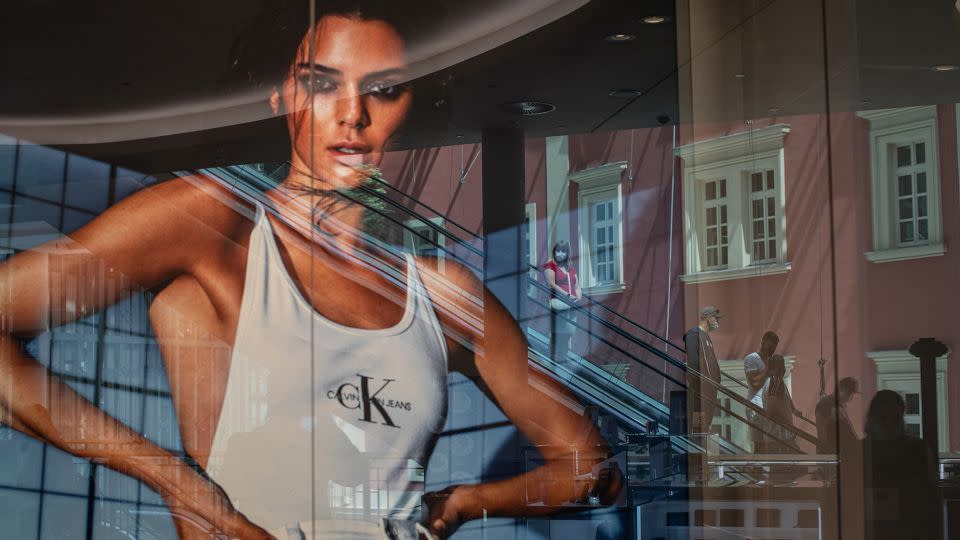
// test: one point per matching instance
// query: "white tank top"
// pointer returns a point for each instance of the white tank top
(378, 400)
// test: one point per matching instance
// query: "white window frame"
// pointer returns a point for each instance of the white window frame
(418, 225)
(733, 157)
(596, 184)
(888, 128)
(739, 430)
(901, 366)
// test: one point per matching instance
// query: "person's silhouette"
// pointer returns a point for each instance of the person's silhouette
(900, 494)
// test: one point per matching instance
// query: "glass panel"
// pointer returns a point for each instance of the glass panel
(723, 213)
(772, 248)
(922, 229)
(723, 234)
(710, 190)
(922, 206)
(912, 403)
(723, 255)
(770, 179)
(712, 216)
(712, 257)
(903, 156)
(906, 186)
(906, 208)
(771, 206)
(600, 209)
(758, 229)
(723, 187)
(712, 237)
(921, 152)
(756, 182)
(771, 227)
(921, 182)
(757, 208)
(906, 232)
(761, 251)
(601, 236)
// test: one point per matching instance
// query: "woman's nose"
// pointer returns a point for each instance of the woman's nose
(352, 111)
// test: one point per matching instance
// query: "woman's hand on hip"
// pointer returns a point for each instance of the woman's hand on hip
(446, 510)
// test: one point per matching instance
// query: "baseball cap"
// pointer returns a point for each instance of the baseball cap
(710, 311)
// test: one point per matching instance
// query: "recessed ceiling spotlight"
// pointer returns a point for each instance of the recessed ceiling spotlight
(774, 110)
(620, 38)
(529, 108)
(654, 19)
(626, 93)
(739, 75)
(945, 67)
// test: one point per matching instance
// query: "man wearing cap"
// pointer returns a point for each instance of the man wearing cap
(702, 364)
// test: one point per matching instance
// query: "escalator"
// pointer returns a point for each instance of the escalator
(631, 370)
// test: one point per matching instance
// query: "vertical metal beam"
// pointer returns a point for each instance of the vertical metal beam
(504, 264)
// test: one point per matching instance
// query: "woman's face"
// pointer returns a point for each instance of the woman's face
(357, 76)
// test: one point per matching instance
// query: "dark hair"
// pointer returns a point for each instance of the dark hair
(770, 337)
(261, 54)
(885, 416)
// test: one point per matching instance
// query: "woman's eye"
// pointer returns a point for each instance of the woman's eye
(319, 83)
(385, 90)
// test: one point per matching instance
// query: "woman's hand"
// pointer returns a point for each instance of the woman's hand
(446, 510)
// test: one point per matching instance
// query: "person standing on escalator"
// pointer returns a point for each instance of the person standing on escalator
(702, 364)
(564, 294)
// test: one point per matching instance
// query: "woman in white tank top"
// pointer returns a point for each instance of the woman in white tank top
(302, 379)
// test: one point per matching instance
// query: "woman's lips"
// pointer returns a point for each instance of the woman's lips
(350, 155)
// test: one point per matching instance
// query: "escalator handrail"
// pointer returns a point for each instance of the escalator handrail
(676, 363)
(607, 309)
(683, 385)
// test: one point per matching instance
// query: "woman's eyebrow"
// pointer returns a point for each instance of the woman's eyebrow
(385, 73)
(320, 67)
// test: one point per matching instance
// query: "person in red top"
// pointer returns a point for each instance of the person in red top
(564, 293)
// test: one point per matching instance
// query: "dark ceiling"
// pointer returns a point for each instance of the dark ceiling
(101, 80)
(139, 86)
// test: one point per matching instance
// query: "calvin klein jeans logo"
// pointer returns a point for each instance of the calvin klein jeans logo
(352, 396)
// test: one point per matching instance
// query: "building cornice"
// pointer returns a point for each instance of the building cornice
(745, 143)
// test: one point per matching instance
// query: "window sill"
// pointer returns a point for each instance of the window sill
(608, 288)
(737, 273)
(906, 253)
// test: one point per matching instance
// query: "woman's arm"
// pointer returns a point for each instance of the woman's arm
(547, 414)
(151, 237)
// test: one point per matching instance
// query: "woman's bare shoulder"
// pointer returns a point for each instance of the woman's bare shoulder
(167, 228)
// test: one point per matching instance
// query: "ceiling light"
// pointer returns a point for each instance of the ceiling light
(529, 108)
(654, 19)
(739, 75)
(619, 38)
(626, 93)
(945, 67)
